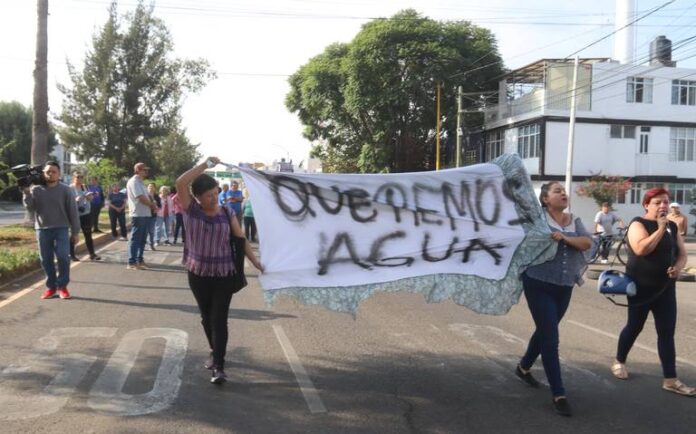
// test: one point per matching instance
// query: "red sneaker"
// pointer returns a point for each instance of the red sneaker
(63, 293)
(48, 293)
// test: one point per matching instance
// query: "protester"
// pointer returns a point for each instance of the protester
(235, 199)
(604, 223)
(208, 258)
(656, 256)
(55, 213)
(140, 210)
(117, 211)
(154, 198)
(677, 217)
(97, 202)
(224, 195)
(179, 216)
(83, 197)
(165, 211)
(548, 288)
(249, 221)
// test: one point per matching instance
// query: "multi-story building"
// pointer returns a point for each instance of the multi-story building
(633, 121)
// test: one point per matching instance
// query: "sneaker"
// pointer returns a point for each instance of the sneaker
(561, 406)
(75, 259)
(63, 293)
(168, 243)
(219, 376)
(527, 377)
(123, 239)
(152, 247)
(97, 231)
(95, 258)
(48, 293)
(132, 267)
(141, 266)
(604, 261)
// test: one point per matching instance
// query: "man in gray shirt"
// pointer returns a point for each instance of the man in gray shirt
(55, 213)
(604, 222)
(140, 209)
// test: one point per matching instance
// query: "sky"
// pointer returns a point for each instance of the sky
(254, 45)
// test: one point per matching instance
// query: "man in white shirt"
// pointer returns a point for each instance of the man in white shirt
(140, 209)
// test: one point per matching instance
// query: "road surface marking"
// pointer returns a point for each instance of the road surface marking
(309, 393)
(616, 337)
(26, 291)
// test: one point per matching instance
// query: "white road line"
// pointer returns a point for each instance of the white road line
(309, 393)
(616, 337)
(26, 291)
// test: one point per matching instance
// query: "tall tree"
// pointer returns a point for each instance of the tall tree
(39, 146)
(369, 105)
(126, 101)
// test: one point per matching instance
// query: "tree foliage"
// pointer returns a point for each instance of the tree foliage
(105, 171)
(125, 102)
(603, 188)
(369, 105)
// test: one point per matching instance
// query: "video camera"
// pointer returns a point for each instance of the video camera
(28, 175)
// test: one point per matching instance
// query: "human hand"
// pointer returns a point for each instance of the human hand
(673, 272)
(26, 190)
(662, 220)
(557, 236)
(213, 160)
(75, 238)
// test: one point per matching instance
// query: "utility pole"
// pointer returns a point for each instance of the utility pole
(39, 132)
(571, 133)
(437, 134)
(460, 124)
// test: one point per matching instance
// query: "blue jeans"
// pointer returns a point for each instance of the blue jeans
(162, 229)
(136, 243)
(547, 303)
(55, 242)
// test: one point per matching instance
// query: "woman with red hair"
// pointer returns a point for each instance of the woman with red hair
(656, 255)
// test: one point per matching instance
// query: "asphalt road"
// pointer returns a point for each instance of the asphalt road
(125, 355)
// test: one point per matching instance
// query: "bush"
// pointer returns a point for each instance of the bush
(12, 262)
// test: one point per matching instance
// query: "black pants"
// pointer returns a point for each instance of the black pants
(179, 225)
(86, 225)
(213, 296)
(120, 217)
(250, 228)
(664, 310)
(94, 212)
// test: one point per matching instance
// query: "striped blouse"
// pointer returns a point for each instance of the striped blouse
(207, 251)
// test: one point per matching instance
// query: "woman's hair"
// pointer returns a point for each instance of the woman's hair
(653, 192)
(203, 183)
(545, 192)
(164, 188)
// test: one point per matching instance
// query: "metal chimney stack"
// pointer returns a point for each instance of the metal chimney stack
(624, 39)
(661, 52)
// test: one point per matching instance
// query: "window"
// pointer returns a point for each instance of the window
(495, 142)
(644, 136)
(681, 193)
(682, 142)
(622, 131)
(635, 193)
(639, 89)
(683, 92)
(528, 140)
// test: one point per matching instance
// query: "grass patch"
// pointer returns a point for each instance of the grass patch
(20, 251)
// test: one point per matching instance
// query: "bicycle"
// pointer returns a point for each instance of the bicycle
(618, 239)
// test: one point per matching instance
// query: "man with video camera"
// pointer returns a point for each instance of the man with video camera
(55, 213)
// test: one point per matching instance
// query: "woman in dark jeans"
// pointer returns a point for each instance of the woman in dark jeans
(83, 198)
(548, 287)
(656, 256)
(208, 258)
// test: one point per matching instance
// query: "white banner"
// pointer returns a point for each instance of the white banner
(322, 232)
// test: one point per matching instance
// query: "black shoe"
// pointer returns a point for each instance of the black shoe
(561, 406)
(75, 259)
(526, 377)
(218, 377)
(95, 258)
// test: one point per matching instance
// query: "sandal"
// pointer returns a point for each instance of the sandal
(619, 371)
(679, 388)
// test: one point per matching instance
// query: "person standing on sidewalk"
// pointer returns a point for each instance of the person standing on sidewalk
(235, 199)
(155, 199)
(249, 221)
(117, 211)
(678, 218)
(179, 216)
(83, 199)
(166, 210)
(55, 213)
(140, 210)
(208, 258)
(548, 288)
(97, 202)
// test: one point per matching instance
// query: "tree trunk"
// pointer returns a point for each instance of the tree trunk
(39, 145)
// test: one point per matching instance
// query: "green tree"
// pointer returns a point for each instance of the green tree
(175, 154)
(105, 171)
(369, 105)
(126, 100)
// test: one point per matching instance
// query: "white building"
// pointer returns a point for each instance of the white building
(633, 121)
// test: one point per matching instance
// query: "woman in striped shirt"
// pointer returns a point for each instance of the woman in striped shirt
(208, 258)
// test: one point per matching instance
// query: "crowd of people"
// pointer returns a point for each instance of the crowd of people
(208, 215)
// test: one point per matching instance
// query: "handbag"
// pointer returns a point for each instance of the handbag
(237, 245)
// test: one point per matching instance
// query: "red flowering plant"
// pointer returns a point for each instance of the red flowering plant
(603, 188)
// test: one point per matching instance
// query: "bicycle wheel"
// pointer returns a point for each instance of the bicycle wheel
(622, 251)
